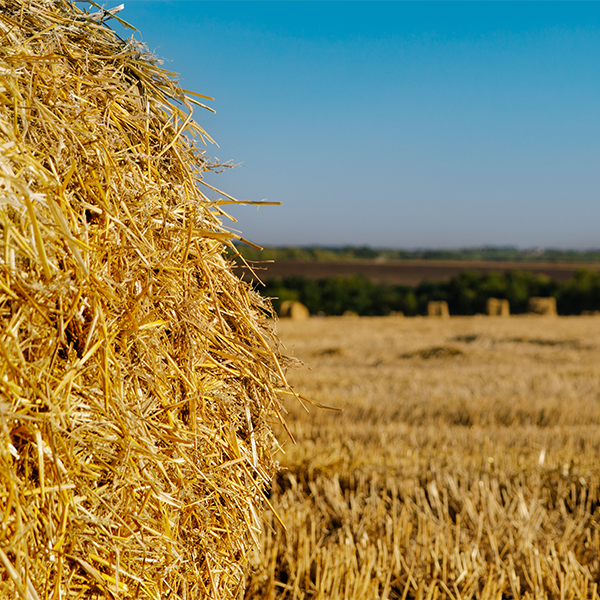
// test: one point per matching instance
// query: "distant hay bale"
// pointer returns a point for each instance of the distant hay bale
(438, 308)
(542, 306)
(497, 307)
(138, 374)
(296, 311)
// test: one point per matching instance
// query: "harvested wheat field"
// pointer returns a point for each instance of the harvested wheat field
(465, 463)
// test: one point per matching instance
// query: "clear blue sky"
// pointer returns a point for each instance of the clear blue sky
(396, 124)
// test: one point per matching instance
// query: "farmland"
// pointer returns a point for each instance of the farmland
(413, 271)
(464, 463)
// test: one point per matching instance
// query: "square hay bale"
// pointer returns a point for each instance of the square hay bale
(497, 307)
(139, 377)
(438, 308)
(542, 306)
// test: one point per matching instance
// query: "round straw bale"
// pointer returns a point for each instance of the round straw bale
(296, 311)
(138, 374)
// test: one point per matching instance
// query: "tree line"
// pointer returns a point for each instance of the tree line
(466, 294)
(351, 253)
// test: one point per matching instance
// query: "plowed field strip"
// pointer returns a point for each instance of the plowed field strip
(412, 272)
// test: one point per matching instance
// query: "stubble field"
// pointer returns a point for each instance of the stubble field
(464, 463)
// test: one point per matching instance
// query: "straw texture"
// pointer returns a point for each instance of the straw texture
(138, 376)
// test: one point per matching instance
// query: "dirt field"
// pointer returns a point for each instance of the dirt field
(465, 463)
(413, 272)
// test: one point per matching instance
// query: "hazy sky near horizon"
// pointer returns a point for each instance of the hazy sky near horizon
(396, 124)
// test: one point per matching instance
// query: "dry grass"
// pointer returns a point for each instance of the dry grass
(465, 463)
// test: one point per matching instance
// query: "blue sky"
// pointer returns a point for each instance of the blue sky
(396, 124)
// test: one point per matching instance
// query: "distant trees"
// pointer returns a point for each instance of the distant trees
(579, 294)
(336, 295)
(340, 253)
(466, 294)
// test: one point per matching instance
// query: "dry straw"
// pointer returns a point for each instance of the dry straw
(138, 376)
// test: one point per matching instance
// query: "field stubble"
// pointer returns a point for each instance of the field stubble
(464, 463)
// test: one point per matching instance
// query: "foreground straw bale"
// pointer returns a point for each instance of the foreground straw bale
(138, 377)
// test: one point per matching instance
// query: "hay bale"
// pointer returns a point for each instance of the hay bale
(296, 311)
(542, 306)
(497, 307)
(438, 308)
(138, 374)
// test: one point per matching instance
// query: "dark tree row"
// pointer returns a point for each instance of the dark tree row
(466, 294)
